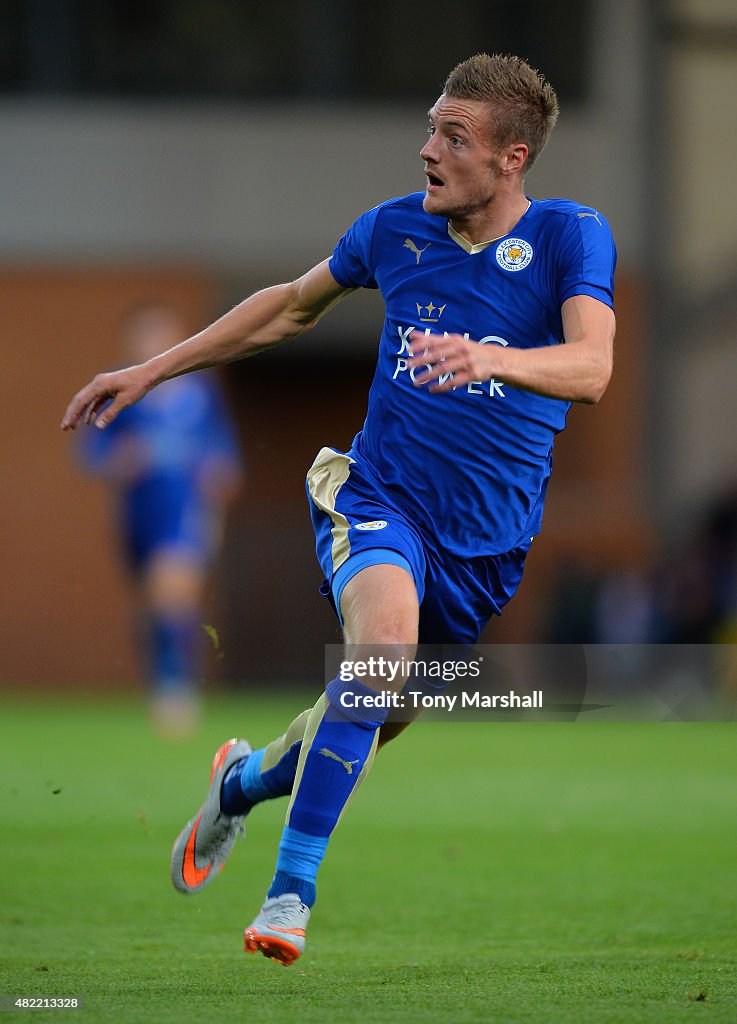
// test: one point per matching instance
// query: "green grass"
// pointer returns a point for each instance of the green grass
(508, 872)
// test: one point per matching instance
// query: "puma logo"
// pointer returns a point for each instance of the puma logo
(409, 244)
(348, 765)
(594, 215)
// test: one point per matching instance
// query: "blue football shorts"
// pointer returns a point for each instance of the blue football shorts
(356, 526)
(168, 514)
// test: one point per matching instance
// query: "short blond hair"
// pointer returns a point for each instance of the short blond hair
(525, 107)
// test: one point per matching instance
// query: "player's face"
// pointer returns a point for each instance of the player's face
(152, 331)
(460, 158)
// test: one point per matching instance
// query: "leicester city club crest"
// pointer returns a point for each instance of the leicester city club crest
(513, 254)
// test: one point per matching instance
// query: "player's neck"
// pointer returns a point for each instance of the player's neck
(494, 221)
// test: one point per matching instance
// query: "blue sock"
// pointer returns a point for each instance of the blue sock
(279, 780)
(232, 798)
(246, 785)
(337, 754)
(299, 858)
(175, 648)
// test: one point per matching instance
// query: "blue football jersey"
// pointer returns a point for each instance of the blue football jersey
(471, 465)
(179, 425)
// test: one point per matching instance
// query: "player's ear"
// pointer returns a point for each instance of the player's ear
(514, 157)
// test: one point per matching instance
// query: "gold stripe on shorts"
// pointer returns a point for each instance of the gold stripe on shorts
(326, 476)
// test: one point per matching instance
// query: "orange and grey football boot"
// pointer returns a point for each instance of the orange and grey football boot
(279, 930)
(206, 841)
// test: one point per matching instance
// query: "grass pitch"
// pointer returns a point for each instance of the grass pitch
(508, 872)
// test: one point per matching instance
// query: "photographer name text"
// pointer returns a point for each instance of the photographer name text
(416, 699)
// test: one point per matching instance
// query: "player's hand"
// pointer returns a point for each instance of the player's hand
(449, 361)
(124, 387)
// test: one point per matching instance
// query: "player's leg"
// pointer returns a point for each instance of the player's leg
(380, 609)
(375, 613)
(354, 530)
(171, 583)
(345, 551)
(241, 778)
(269, 772)
(460, 601)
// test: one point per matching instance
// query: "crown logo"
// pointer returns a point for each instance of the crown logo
(432, 312)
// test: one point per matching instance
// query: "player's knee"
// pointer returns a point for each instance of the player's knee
(380, 607)
(173, 584)
(397, 631)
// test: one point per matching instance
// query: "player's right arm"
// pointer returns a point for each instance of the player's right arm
(261, 321)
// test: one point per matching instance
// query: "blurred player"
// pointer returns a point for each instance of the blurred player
(498, 316)
(174, 464)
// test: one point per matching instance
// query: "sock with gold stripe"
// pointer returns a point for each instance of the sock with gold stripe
(331, 766)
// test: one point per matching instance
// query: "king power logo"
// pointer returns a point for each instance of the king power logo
(492, 388)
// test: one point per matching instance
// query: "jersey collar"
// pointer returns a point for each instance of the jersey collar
(473, 248)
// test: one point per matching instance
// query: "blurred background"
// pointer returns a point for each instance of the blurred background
(190, 152)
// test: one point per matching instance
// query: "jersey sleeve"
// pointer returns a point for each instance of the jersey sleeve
(352, 262)
(587, 258)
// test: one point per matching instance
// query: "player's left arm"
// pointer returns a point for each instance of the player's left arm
(578, 371)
